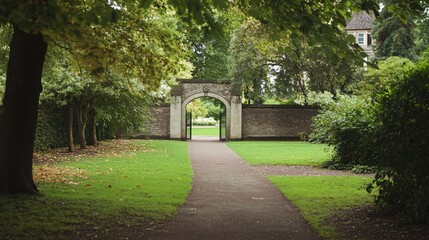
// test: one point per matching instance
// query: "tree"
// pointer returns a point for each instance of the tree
(214, 107)
(294, 67)
(250, 65)
(421, 33)
(77, 22)
(197, 108)
(123, 104)
(61, 82)
(393, 35)
(20, 107)
(211, 55)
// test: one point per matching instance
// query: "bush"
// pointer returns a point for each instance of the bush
(402, 144)
(51, 129)
(346, 124)
(199, 121)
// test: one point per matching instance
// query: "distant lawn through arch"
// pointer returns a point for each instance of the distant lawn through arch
(206, 131)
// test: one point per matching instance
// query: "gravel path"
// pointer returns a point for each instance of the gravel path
(231, 200)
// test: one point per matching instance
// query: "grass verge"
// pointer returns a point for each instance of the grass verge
(318, 197)
(281, 153)
(102, 197)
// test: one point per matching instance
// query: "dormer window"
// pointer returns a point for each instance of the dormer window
(361, 38)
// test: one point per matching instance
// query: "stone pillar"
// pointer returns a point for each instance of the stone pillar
(175, 117)
(235, 130)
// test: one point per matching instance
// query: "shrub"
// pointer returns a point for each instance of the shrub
(346, 124)
(402, 144)
(200, 121)
(51, 129)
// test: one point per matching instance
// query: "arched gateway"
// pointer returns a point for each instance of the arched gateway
(190, 89)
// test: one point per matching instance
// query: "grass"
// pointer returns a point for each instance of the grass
(205, 131)
(107, 197)
(317, 197)
(281, 153)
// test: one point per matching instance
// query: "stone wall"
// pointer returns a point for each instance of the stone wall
(276, 121)
(159, 124)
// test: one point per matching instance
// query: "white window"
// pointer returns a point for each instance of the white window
(361, 38)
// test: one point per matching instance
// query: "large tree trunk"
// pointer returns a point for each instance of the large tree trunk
(70, 116)
(92, 140)
(20, 107)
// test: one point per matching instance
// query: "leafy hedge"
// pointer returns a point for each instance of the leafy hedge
(346, 124)
(200, 121)
(51, 129)
(389, 131)
(402, 143)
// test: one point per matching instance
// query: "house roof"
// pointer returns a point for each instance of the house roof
(360, 21)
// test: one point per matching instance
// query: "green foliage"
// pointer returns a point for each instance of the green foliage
(112, 195)
(376, 80)
(347, 124)
(120, 103)
(393, 35)
(421, 33)
(402, 144)
(197, 108)
(320, 22)
(214, 107)
(249, 64)
(283, 67)
(205, 107)
(279, 101)
(51, 128)
(281, 153)
(319, 197)
(386, 126)
(211, 57)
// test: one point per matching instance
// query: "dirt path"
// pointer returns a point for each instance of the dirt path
(231, 200)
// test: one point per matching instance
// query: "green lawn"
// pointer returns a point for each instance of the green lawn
(105, 197)
(281, 152)
(205, 131)
(317, 197)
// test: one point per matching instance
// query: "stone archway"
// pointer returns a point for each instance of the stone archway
(190, 89)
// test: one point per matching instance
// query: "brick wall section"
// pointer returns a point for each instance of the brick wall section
(276, 121)
(258, 122)
(159, 124)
